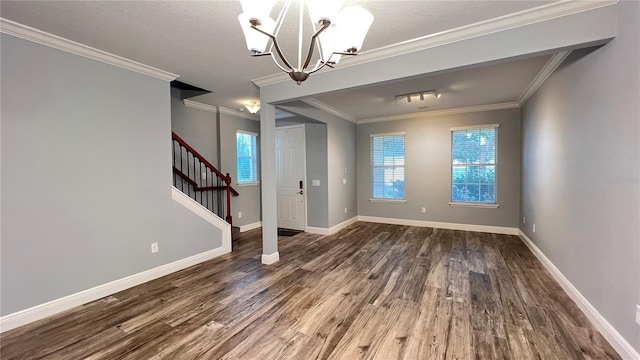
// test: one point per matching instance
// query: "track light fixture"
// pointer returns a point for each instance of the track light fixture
(419, 94)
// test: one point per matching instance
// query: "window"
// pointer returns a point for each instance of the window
(247, 160)
(473, 164)
(387, 163)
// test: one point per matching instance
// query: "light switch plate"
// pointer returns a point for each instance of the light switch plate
(315, 182)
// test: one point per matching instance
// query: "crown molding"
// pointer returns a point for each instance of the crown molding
(240, 114)
(200, 106)
(510, 21)
(543, 75)
(454, 111)
(43, 38)
(333, 111)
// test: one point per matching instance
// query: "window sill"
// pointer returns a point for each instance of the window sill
(475, 205)
(248, 184)
(397, 201)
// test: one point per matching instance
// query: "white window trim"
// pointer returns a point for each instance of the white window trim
(389, 134)
(473, 127)
(472, 204)
(386, 200)
(475, 205)
(398, 201)
(248, 183)
(248, 133)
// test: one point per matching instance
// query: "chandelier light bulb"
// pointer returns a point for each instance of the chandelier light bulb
(337, 32)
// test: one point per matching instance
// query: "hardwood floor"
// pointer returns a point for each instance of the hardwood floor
(371, 291)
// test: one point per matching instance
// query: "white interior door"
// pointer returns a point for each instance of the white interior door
(291, 170)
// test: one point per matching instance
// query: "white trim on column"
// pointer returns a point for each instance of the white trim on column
(624, 349)
(271, 258)
(441, 225)
(514, 20)
(38, 36)
(543, 75)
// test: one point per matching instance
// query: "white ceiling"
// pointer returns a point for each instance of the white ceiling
(481, 85)
(202, 42)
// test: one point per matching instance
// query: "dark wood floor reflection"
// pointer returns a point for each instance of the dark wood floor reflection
(370, 291)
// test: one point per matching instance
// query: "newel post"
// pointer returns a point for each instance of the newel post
(227, 180)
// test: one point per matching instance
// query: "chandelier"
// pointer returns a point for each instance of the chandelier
(336, 32)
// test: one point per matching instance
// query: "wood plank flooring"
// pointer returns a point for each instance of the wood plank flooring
(371, 291)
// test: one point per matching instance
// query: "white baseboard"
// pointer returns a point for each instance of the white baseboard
(442, 225)
(23, 317)
(248, 227)
(624, 349)
(316, 230)
(332, 230)
(271, 258)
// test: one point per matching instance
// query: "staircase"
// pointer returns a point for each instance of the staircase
(202, 181)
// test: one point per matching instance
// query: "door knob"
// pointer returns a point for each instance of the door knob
(300, 192)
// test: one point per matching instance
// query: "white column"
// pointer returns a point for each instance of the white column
(268, 184)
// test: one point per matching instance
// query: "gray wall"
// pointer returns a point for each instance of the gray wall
(341, 139)
(199, 128)
(317, 155)
(428, 169)
(341, 161)
(249, 200)
(86, 176)
(580, 170)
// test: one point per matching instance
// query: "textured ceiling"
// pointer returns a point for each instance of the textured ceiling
(202, 41)
(479, 85)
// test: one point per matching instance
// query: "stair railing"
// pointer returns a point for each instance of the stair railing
(200, 179)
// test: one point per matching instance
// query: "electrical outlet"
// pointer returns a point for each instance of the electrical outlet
(524, 220)
(638, 314)
(239, 214)
(344, 181)
(534, 227)
(345, 170)
(204, 176)
(154, 248)
(424, 210)
(345, 210)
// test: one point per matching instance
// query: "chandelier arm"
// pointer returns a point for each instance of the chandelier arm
(318, 68)
(275, 43)
(318, 43)
(278, 64)
(280, 20)
(325, 25)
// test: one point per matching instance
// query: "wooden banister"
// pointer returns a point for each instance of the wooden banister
(226, 178)
(208, 181)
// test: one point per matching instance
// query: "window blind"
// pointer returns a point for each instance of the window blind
(387, 162)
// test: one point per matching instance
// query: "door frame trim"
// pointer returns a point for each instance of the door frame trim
(304, 165)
